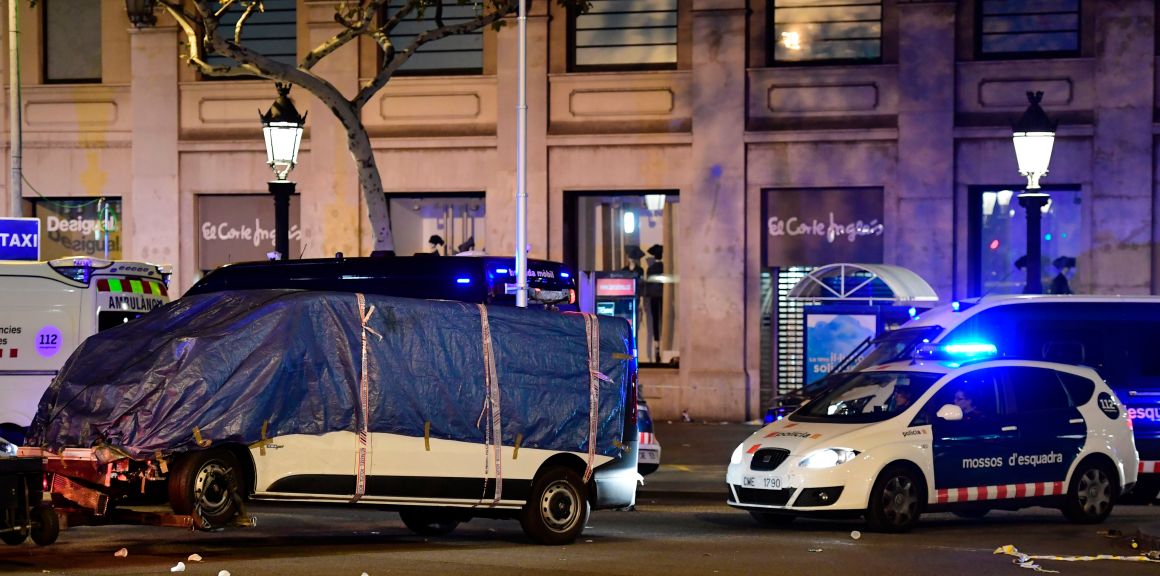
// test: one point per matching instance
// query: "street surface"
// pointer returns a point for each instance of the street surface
(681, 526)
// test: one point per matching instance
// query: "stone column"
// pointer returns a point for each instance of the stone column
(151, 229)
(924, 186)
(501, 197)
(332, 208)
(1122, 222)
(711, 298)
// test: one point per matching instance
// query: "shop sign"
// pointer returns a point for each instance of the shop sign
(90, 227)
(240, 228)
(19, 239)
(821, 226)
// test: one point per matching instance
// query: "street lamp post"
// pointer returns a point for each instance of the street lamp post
(1034, 136)
(282, 130)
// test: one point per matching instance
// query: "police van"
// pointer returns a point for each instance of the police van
(48, 308)
(895, 440)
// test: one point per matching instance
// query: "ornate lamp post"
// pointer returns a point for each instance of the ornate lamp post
(282, 129)
(141, 13)
(1034, 136)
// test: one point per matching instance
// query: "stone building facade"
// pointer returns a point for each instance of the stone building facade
(906, 127)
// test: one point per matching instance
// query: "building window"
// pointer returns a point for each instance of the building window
(1028, 28)
(826, 30)
(456, 54)
(272, 32)
(77, 226)
(999, 228)
(624, 35)
(444, 224)
(72, 41)
(613, 237)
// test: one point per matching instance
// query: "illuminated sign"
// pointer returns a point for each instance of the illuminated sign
(20, 239)
(616, 286)
(813, 227)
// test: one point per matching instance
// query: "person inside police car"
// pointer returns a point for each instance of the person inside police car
(966, 403)
(902, 398)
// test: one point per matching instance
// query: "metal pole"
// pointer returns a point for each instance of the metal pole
(15, 125)
(282, 191)
(1033, 203)
(522, 163)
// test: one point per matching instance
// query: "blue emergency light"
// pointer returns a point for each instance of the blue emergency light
(501, 271)
(958, 351)
(463, 280)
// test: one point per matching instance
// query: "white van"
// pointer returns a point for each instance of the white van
(48, 308)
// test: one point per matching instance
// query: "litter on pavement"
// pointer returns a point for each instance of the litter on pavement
(121, 553)
(180, 567)
(1028, 560)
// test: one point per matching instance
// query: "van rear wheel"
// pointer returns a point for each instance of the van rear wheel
(557, 508)
(206, 484)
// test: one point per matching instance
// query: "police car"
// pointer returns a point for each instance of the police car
(899, 439)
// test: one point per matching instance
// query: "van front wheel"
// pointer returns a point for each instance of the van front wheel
(206, 485)
(557, 508)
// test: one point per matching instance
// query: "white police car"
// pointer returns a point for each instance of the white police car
(900, 439)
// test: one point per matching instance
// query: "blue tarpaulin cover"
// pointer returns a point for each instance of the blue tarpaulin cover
(230, 362)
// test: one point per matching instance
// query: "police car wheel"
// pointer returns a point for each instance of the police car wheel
(205, 484)
(429, 522)
(1091, 494)
(895, 501)
(557, 508)
(772, 518)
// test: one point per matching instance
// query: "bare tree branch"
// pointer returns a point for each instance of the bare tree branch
(242, 20)
(503, 8)
(356, 22)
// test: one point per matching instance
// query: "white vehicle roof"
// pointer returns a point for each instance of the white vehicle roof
(950, 315)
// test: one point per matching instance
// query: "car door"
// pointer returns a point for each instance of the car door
(1051, 430)
(971, 452)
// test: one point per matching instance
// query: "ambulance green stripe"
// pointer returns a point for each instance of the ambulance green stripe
(135, 287)
(115, 285)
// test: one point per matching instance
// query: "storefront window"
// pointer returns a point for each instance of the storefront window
(1000, 239)
(240, 228)
(444, 224)
(78, 227)
(630, 237)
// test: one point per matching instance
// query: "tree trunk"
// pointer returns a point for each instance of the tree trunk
(369, 179)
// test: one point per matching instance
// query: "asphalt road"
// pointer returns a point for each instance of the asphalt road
(681, 527)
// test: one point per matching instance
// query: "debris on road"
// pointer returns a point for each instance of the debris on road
(224, 573)
(121, 553)
(194, 558)
(815, 549)
(1028, 560)
(180, 567)
(856, 535)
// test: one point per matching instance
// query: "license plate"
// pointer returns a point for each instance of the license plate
(649, 456)
(763, 482)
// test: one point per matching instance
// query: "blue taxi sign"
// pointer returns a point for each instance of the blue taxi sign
(20, 239)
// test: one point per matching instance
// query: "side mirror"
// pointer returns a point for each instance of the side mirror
(950, 413)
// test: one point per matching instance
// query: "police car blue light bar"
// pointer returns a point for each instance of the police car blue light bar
(463, 280)
(971, 349)
(960, 351)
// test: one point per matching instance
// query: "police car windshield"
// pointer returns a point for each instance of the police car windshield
(896, 345)
(867, 397)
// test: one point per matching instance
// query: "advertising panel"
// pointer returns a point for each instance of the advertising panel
(830, 337)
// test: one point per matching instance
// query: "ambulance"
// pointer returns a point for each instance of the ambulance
(48, 308)
(895, 440)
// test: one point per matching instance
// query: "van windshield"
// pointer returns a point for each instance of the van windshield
(896, 345)
(867, 397)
